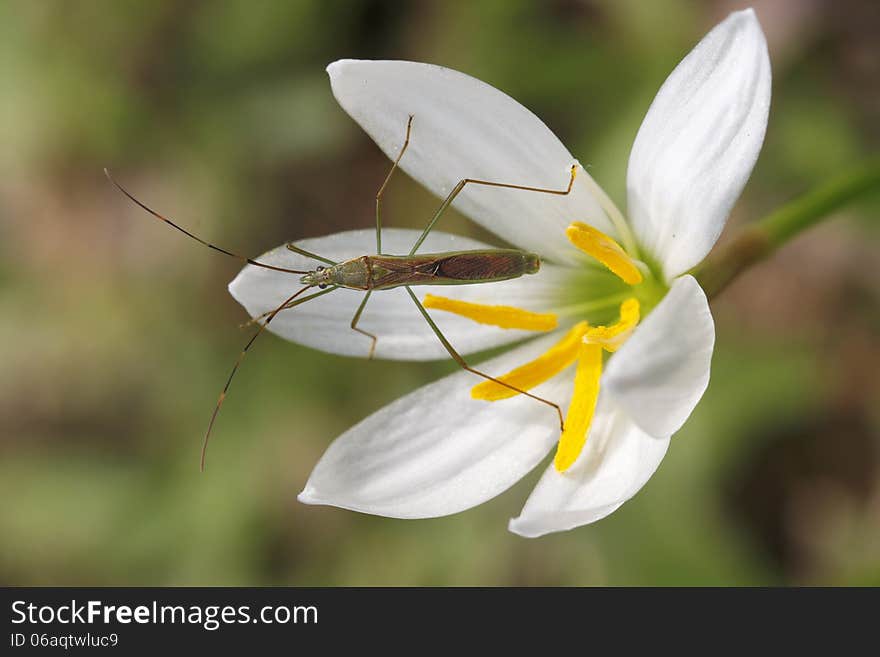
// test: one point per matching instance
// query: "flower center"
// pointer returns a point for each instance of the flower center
(582, 343)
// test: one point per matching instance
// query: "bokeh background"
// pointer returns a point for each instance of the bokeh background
(116, 333)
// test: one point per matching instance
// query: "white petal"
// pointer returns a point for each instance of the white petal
(698, 143)
(616, 462)
(464, 128)
(324, 323)
(436, 451)
(660, 373)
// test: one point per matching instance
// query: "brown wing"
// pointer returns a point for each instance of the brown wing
(481, 266)
(455, 268)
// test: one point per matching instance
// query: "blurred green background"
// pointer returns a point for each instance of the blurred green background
(116, 333)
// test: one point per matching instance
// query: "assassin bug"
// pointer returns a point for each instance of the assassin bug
(371, 273)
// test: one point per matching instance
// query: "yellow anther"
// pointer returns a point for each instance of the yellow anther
(583, 406)
(526, 377)
(506, 317)
(612, 337)
(604, 249)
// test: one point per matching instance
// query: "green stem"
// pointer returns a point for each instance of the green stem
(758, 240)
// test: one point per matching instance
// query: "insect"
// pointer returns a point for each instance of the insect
(371, 273)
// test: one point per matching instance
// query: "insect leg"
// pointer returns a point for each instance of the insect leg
(385, 184)
(288, 306)
(240, 358)
(308, 254)
(461, 361)
(356, 319)
(463, 183)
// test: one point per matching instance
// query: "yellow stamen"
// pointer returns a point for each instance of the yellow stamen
(605, 250)
(583, 405)
(546, 366)
(611, 337)
(506, 317)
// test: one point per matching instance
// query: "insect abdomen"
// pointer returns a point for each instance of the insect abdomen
(498, 265)
(453, 268)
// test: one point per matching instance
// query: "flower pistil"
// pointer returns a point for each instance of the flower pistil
(583, 343)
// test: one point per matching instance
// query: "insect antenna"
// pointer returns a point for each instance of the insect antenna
(196, 237)
(240, 358)
(292, 304)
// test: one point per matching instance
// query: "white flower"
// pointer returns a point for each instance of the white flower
(439, 450)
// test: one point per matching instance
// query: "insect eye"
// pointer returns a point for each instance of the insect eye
(322, 286)
(320, 268)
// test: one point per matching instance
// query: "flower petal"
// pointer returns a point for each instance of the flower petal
(436, 451)
(464, 128)
(696, 147)
(660, 373)
(616, 462)
(324, 323)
